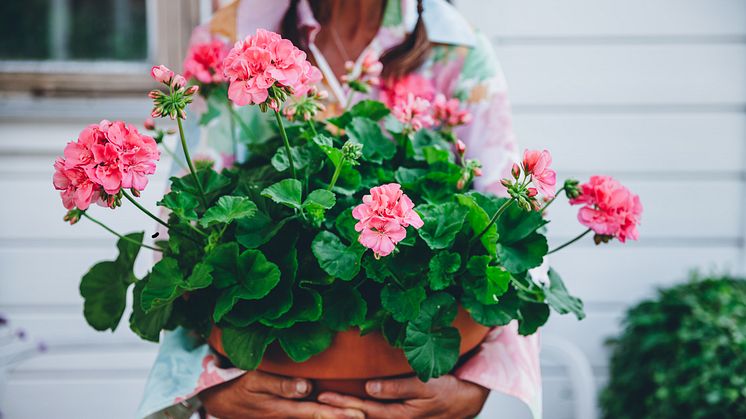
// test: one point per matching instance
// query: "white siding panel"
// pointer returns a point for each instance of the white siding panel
(606, 18)
(645, 74)
(645, 144)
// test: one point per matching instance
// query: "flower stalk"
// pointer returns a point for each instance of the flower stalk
(125, 238)
(494, 218)
(188, 159)
(286, 141)
(143, 209)
(580, 236)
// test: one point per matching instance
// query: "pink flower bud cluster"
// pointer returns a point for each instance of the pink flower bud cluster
(173, 103)
(265, 60)
(104, 159)
(204, 60)
(610, 209)
(367, 75)
(414, 112)
(448, 112)
(383, 218)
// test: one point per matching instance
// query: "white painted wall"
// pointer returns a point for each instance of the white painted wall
(651, 92)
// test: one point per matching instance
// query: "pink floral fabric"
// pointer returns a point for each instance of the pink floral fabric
(462, 66)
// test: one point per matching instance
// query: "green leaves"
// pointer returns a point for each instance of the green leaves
(344, 307)
(285, 192)
(166, 283)
(335, 258)
(560, 299)
(228, 209)
(104, 286)
(531, 317)
(523, 255)
(442, 223)
(486, 283)
(372, 109)
(212, 182)
(148, 325)
(403, 304)
(500, 314)
(376, 147)
(256, 278)
(257, 230)
(320, 198)
(431, 344)
(478, 219)
(183, 205)
(305, 340)
(245, 346)
(442, 267)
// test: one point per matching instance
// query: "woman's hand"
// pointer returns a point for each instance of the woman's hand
(261, 395)
(444, 397)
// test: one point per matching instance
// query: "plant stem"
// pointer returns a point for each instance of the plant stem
(551, 200)
(143, 209)
(125, 238)
(570, 242)
(189, 162)
(335, 176)
(284, 136)
(495, 217)
(313, 128)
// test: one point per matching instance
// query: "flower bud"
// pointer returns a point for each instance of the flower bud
(135, 192)
(532, 192)
(149, 124)
(155, 113)
(477, 171)
(178, 81)
(460, 184)
(155, 94)
(460, 147)
(161, 74)
(374, 81)
(349, 65)
(191, 90)
(515, 171)
(506, 182)
(322, 95)
(352, 151)
(572, 190)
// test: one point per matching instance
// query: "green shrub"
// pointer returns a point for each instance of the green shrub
(682, 355)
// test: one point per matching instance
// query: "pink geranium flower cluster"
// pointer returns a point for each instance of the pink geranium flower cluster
(383, 218)
(106, 157)
(395, 91)
(414, 112)
(536, 164)
(204, 61)
(448, 112)
(264, 60)
(368, 74)
(610, 208)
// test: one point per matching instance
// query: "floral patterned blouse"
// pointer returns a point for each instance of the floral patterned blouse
(462, 65)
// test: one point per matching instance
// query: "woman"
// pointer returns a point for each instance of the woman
(427, 48)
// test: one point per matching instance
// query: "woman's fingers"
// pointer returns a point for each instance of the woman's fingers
(296, 409)
(371, 409)
(400, 388)
(287, 387)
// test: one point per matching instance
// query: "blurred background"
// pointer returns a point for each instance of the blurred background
(650, 92)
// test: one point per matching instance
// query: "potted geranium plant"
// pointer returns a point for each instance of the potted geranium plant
(341, 249)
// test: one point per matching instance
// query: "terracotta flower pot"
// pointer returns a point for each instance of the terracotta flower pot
(352, 359)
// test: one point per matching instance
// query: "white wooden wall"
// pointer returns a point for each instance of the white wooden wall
(652, 92)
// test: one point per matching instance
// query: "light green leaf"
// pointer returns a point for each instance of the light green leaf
(478, 219)
(181, 204)
(320, 198)
(286, 192)
(228, 209)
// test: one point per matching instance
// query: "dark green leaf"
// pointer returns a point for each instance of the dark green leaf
(442, 223)
(224, 262)
(532, 316)
(404, 305)
(245, 346)
(376, 147)
(486, 283)
(372, 109)
(166, 283)
(343, 307)
(258, 230)
(431, 344)
(442, 267)
(104, 286)
(148, 325)
(523, 255)
(478, 219)
(307, 307)
(335, 258)
(257, 277)
(212, 182)
(560, 299)
(500, 314)
(305, 340)
(345, 225)
(516, 224)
